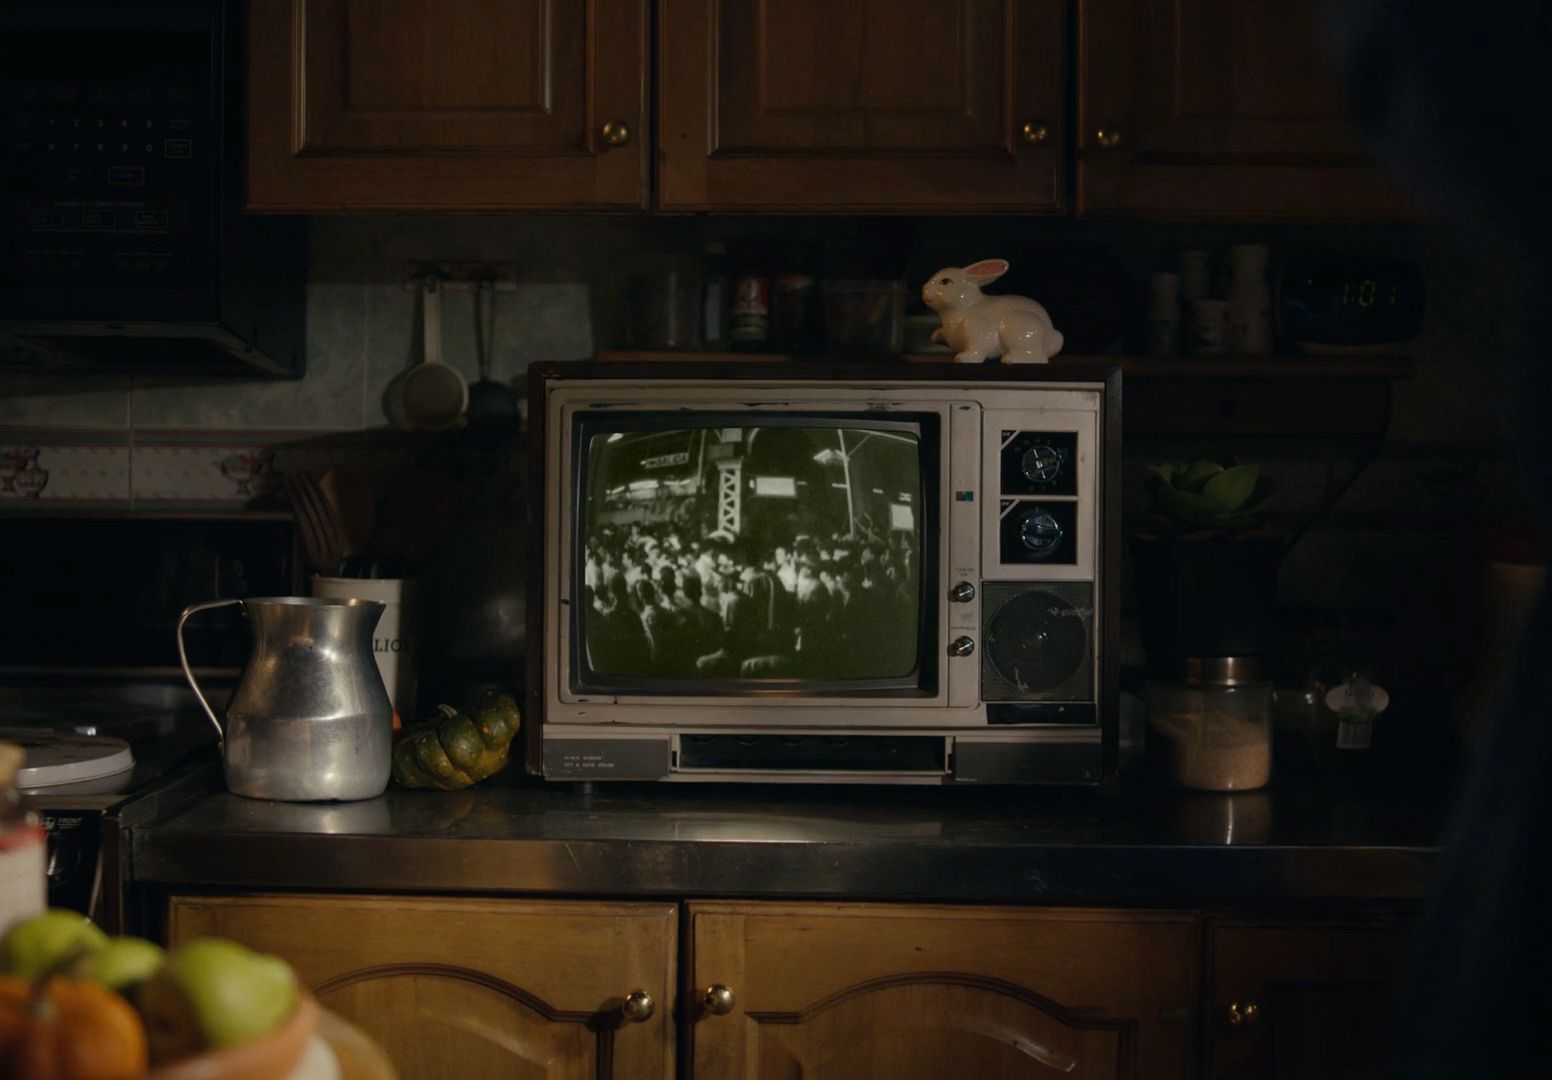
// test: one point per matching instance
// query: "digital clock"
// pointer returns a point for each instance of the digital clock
(1348, 303)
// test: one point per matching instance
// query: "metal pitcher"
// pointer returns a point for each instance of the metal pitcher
(310, 717)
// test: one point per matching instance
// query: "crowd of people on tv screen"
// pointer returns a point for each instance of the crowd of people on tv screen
(664, 604)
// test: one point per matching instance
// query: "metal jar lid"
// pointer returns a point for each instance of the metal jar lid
(1222, 670)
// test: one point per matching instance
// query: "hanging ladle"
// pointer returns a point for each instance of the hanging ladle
(492, 414)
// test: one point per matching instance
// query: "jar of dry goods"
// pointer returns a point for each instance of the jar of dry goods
(1212, 726)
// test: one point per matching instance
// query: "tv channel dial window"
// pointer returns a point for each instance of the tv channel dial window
(1038, 531)
(1039, 463)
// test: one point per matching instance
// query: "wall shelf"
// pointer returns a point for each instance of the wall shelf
(1256, 368)
(1259, 368)
(1189, 395)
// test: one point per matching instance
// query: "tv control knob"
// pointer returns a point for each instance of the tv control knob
(962, 593)
(961, 646)
(1040, 464)
(1039, 531)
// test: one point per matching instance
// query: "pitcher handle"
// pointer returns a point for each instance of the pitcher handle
(183, 658)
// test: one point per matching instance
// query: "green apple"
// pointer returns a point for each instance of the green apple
(211, 992)
(47, 940)
(123, 961)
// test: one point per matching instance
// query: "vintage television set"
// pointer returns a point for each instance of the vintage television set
(816, 573)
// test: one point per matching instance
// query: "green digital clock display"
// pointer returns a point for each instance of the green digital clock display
(1368, 292)
(1348, 300)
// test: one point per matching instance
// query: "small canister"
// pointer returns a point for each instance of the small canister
(1164, 315)
(1209, 327)
(751, 313)
(395, 641)
(794, 313)
(1213, 725)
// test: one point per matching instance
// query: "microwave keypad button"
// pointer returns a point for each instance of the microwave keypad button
(962, 593)
(961, 646)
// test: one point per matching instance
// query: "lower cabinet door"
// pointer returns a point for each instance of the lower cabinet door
(1300, 1002)
(846, 991)
(467, 989)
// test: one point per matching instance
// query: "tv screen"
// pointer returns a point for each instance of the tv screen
(783, 550)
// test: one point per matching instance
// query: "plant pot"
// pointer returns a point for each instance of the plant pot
(1208, 594)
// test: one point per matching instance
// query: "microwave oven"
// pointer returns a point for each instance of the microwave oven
(122, 246)
(798, 572)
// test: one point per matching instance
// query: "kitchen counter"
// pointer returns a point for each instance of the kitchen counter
(1303, 839)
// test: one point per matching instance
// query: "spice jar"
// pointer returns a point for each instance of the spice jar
(1213, 726)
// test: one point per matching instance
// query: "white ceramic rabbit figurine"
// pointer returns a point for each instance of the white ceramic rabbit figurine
(978, 327)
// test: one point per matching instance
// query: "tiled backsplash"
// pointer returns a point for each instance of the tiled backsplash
(225, 445)
(167, 469)
(1400, 538)
(95, 445)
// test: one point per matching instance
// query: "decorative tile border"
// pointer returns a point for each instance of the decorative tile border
(197, 470)
(208, 471)
(238, 470)
(228, 476)
(42, 470)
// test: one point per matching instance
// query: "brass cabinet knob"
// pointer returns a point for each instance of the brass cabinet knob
(1035, 132)
(717, 999)
(615, 132)
(638, 1006)
(1108, 136)
(1244, 1014)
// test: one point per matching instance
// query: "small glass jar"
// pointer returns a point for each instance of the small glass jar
(663, 303)
(1213, 726)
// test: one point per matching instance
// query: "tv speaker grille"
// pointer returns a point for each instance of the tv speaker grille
(1037, 641)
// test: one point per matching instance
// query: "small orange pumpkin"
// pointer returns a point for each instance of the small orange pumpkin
(69, 1030)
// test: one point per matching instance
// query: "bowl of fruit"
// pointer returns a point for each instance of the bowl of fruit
(76, 1004)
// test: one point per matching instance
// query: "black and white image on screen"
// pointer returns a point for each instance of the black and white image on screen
(757, 552)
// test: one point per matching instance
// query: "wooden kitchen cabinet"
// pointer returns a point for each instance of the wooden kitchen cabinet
(471, 988)
(466, 989)
(953, 106)
(1217, 108)
(836, 991)
(378, 105)
(1299, 1001)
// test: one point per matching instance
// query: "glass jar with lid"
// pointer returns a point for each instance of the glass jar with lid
(1213, 724)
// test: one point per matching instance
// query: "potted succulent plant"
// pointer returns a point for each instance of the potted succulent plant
(1206, 565)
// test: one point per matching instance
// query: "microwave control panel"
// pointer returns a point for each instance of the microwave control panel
(110, 173)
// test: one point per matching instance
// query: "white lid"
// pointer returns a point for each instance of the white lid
(58, 757)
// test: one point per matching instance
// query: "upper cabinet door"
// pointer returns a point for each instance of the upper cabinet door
(1217, 108)
(446, 105)
(861, 105)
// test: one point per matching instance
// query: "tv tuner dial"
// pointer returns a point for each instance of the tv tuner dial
(961, 646)
(1040, 464)
(962, 593)
(1040, 531)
